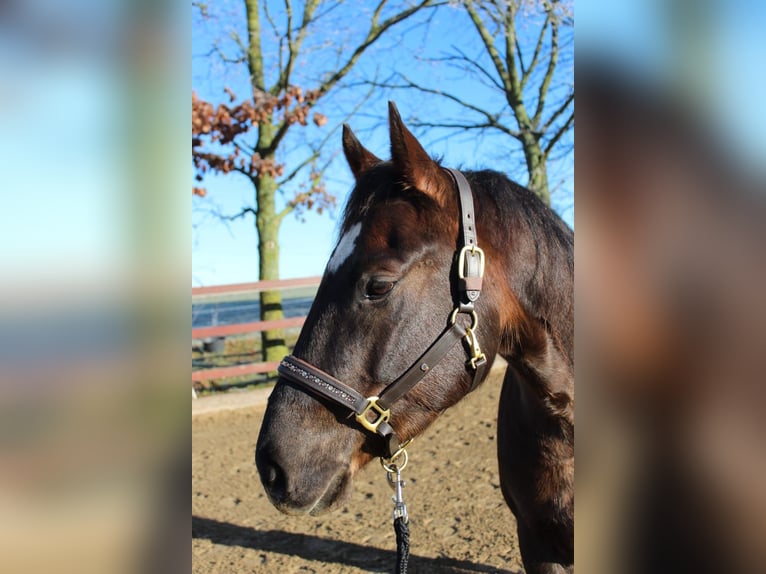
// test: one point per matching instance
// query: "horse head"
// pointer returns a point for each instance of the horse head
(388, 292)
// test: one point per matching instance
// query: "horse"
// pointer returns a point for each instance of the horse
(405, 274)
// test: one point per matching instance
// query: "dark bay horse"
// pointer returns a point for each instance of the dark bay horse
(389, 291)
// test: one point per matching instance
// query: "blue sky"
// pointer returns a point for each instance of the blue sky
(226, 252)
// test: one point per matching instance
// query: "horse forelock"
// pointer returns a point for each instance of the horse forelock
(384, 184)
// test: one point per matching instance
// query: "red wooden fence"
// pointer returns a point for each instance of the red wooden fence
(240, 328)
(271, 285)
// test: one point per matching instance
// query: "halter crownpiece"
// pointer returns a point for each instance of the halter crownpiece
(374, 412)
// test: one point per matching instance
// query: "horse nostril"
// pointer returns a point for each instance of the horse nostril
(272, 475)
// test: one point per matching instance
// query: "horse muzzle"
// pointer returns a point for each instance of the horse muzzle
(296, 485)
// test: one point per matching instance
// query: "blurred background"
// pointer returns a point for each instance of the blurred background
(669, 280)
(94, 444)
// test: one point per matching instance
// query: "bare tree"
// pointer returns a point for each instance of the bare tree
(247, 138)
(520, 60)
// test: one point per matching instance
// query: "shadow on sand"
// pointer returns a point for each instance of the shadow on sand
(329, 551)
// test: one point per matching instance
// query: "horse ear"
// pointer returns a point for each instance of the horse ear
(409, 157)
(358, 157)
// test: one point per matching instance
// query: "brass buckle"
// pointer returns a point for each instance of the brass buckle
(474, 250)
(381, 415)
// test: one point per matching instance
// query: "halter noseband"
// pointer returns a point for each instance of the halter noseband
(374, 412)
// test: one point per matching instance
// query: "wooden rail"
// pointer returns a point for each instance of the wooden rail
(233, 371)
(240, 328)
(276, 285)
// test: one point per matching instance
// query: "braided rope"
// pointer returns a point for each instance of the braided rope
(402, 529)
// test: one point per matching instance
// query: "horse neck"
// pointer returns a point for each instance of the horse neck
(536, 279)
(533, 253)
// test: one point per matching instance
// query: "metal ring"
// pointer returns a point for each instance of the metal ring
(402, 446)
(389, 463)
(474, 317)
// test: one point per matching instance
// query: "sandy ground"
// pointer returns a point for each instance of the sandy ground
(458, 519)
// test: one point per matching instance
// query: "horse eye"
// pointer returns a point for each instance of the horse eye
(377, 288)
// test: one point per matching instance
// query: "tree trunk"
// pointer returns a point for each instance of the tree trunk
(267, 222)
(536, 167)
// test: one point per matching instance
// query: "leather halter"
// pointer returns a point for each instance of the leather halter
(374, 412)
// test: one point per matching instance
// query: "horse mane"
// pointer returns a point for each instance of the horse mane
(541, 248)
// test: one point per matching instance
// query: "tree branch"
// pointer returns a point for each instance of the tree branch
(481, 68)
(509, 29)
(290, 176)
(477, 126)
(557, 136)
(321, 14)
(493, 120)
(318, 149)
(246, 173)
(489, 44)
(216, 50)
(376, 30)
(278, 137)
(294, 43)
(202, 7)
(245, 211)
(558, 112)
(253, 51)
(240, 45)
(553, 60)
(293, 204)
(535, 55)
(243, 148)
(271, 21)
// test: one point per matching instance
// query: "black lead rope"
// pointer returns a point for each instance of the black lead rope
(393, 467)
(402, 529)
